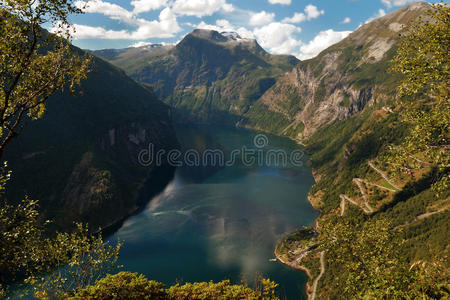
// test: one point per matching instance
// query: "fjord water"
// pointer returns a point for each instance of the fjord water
(215, 223)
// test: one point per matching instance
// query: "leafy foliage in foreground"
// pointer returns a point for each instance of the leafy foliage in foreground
(424, 61)
(33, 63)
(366, 253)
(76, 259)
(20, 239)
(126, 285)
(51, 266)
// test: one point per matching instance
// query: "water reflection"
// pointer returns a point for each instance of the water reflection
(222, 223)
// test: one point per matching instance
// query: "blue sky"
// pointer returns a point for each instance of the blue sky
(299, 27)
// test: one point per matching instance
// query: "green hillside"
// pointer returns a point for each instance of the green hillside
(80, 159)
(371, 212)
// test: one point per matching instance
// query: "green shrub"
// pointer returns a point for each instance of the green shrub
(222, 290)
(124, 285)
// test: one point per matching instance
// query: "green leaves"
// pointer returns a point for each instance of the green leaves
(20, 245)
(52, 266)
(74, 260)
(33, 63)
(368, 255)
(133, 286)
(423, 55)
(123, 285)
(423, 60)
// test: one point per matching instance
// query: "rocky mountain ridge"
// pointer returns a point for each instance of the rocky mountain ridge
(336, 84)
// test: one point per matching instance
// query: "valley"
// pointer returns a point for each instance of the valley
(362, 212)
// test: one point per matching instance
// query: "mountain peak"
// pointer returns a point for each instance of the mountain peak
(418, 5)
(382, 33)
(210, 35)
(207, 34)
(407, 13)
(219, 37)
(232, 35)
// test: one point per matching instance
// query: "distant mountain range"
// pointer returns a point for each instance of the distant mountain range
(222, 78)
(207, 77)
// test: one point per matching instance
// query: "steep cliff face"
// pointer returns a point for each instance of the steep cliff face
(81, 159)
(338, 83)
(109, 182)
(207, 77)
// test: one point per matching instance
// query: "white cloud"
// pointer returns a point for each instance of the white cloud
(227, 7)
(143, 43)
(283, 2)
(199, 8)
(296, 18)
(139, 44)
(278, 37)
(111, 10)
(225, 25)
(141, 6)
(322, 41)
(79, 31)
(311, 12)
(380, 13)
(346, 20)
(165, 27)
(261, 18)
(391, 3)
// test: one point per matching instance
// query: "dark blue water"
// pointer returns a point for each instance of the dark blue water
(215, 223)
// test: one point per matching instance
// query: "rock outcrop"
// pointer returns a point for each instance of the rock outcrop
(336, 84)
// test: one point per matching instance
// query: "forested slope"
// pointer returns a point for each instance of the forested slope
(80, 159)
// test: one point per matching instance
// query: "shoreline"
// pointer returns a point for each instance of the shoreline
(296, 267)
(301, 268)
